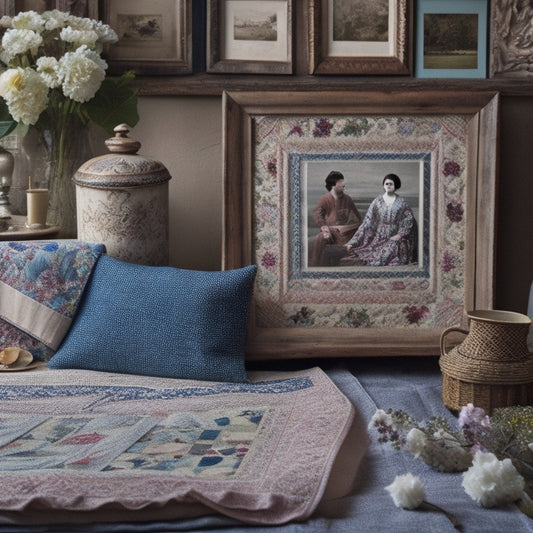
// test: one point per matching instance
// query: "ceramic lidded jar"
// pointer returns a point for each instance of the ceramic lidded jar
(122, 202)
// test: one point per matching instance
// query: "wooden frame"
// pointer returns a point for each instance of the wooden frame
(330, 56)
(269, 55)
(463, 63)
(166, 49)
(80, 8)
(511, 49)
(452, 134)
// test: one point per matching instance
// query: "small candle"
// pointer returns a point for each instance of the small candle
(37, 205)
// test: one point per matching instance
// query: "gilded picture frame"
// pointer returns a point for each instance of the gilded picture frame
(249, 37)
(297, 311)
(360, 37)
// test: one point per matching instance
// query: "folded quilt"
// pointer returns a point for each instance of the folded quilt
(41, 284)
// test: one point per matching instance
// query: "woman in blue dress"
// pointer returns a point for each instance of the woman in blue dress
(388, 233)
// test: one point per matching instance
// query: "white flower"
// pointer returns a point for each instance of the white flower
(106, 34)
(79, 37)
(15, 42)
(416, 442)
(55, 19)
(47, 67)
(81, 73)
(491, 482)
(407, 491)
(28, 20)
(380, 417)
(25, 93)
(6, 22)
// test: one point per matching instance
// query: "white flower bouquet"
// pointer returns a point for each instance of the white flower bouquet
(53, 79)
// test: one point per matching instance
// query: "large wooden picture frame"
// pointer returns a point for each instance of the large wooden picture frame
(381, 49)
(155, 36)
(275, 142)
(249, 36)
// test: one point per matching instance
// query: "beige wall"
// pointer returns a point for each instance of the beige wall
(185, 134)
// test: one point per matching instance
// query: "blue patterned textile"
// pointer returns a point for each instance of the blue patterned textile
(41, 284)
(161, 321)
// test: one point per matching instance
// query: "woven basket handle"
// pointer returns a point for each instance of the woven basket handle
(445, 333)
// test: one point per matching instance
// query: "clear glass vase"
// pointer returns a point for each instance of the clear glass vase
(65, 148)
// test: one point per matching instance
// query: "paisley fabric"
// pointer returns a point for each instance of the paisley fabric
(40, 288)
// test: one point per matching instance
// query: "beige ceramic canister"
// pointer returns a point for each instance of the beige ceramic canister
(122, 202)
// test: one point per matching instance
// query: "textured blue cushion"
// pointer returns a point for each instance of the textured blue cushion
(161, 321)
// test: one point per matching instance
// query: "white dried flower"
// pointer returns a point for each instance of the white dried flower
(25, 93)
(19, 41)
(491, 482)
(29, 20)
(81, 73)
(47, 67)
(416, 442)
(407, 491)
(380, 417)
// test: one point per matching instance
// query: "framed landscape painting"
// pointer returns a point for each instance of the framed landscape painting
(360, 37)
(279, 151)
(451, 39)
(155, 37)
(248, 36)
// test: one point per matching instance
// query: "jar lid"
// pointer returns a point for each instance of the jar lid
(123, 167)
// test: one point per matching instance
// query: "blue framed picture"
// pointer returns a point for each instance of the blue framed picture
(451, 39)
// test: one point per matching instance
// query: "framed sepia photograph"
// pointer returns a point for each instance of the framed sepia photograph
(511, 39)
(451, 39)
(343, 270)
(360, 37)
(155, 37)
(248, 36)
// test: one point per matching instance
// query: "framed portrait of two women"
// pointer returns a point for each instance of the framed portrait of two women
(370, 216)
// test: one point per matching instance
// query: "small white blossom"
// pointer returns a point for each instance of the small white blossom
(81, 75)
(6, 22)
(79, 37)
(106, 34)
(25, 93)
(407, 491)
(15, 42)
(491, 482)
(416, 442)
(29, 20)
(47, 67)
(55, 19)
(380, 417)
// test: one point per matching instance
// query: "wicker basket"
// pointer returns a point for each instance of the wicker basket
(492, 367)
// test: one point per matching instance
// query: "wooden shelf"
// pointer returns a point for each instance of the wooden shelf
(204, 84)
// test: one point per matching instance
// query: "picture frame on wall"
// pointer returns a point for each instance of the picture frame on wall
(511, 43)
(249, 36)
(79, 8)
(360, 37)
(451, 39)
(155, 36)
(279, 148)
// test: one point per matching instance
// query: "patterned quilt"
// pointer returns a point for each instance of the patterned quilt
(80, 440)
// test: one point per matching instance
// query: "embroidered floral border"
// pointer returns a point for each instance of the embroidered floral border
(431, 297)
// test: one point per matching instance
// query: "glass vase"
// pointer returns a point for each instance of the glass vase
(63, 150)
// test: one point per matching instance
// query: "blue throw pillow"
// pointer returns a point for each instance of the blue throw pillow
(161, 321)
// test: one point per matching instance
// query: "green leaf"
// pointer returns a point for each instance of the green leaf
(7, 123)
(114, 103)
